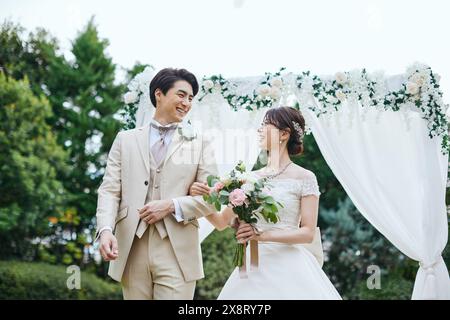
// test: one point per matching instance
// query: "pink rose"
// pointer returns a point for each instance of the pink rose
(237, 197)
(218, 186)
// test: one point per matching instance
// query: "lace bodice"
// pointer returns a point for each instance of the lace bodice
(289, 192)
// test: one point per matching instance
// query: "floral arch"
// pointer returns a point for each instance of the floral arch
(386, 139)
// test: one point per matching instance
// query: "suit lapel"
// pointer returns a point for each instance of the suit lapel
(143, 140)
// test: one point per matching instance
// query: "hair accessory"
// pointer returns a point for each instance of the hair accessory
(298, 129)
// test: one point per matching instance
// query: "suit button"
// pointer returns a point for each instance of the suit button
(158, 170)
(156, 187)
(146, 183)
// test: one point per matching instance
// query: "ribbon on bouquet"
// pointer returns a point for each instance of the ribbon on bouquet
(254, 259)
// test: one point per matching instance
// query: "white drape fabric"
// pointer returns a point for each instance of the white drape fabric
(396, 177)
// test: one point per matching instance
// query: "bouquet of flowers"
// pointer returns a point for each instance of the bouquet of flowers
(248, 198)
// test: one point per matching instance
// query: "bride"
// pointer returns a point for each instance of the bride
(287, 269)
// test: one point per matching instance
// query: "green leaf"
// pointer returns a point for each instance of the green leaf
(211, 180)
(213, 197)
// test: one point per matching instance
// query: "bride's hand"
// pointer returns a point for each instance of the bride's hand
(246, 232)
(199, 189)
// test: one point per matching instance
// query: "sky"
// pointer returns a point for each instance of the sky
(250, 37)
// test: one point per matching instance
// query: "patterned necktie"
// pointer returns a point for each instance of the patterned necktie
(159, 148)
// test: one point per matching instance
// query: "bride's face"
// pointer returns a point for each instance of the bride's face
(268, 136)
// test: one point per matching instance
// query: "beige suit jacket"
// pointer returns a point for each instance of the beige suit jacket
(123, 191)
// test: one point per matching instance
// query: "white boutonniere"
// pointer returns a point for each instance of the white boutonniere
(187, 131)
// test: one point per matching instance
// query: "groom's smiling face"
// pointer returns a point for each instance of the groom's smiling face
(176, 103)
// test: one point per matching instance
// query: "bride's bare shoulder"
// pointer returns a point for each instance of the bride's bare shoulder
(300, 173)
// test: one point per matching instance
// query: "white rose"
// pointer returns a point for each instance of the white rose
(248, 187)
(143, 87)
(340, 95)
(248, 178)
(275, 93)
(412, 88)
(341, 77)
(208, 84)
(133, 85)
(217, 87)
(148, 73)
(130, 97)
(419, 79)
(276, 82)
(263, 90)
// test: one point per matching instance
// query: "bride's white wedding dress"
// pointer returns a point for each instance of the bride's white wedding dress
(285, 271)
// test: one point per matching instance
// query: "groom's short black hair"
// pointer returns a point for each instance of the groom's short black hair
(165, 79)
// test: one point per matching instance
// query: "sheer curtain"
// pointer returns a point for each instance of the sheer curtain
(396, 177)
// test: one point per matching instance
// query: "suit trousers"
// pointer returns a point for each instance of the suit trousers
(152, 271)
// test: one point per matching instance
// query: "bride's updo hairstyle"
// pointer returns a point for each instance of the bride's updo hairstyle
(291, 120)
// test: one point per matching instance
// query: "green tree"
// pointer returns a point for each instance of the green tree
(84, 98)
(84, 118)
(29, 161)
(36, 57)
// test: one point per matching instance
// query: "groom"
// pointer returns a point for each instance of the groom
(147, 224)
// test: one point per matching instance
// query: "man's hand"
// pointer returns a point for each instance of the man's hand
(108, 246)
(156, 210)
(199, 189)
